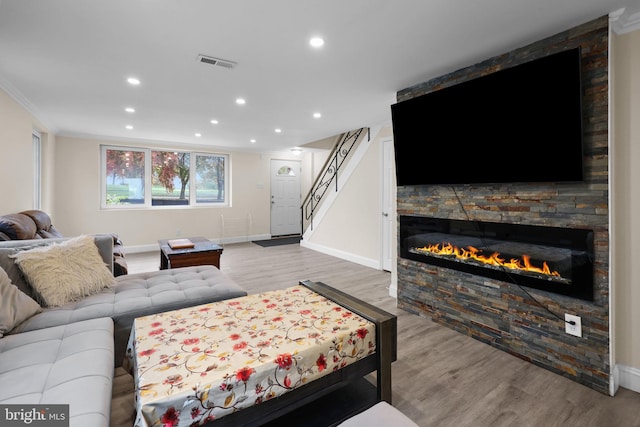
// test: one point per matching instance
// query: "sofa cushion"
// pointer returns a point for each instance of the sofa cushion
(65, 271)
(18, 227)
(44, 228)
(15, 305)
(141, 294)
(70, 364)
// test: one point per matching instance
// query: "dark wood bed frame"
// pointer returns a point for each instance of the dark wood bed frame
(380, 362)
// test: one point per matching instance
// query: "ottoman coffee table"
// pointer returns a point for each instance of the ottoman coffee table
(188, 252)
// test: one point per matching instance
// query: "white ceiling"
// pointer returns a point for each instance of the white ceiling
(67, 61)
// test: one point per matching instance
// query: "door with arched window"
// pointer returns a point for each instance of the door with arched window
(285, 197)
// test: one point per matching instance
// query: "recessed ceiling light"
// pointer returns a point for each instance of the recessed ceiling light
(316, 42)
(129, 127)
(277, 130)
(317, 115)
(214, 122)
(133, 81)
(198, 134)
(252, 140)
(130, 110)
(240, 101)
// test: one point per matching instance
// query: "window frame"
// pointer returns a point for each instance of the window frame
(148, 204)
(36, 139)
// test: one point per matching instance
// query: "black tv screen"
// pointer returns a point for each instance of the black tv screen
(520, 124)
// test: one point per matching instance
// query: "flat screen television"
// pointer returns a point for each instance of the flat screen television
(520, 124)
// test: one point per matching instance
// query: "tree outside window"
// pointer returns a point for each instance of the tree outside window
(210, 175)
(170, 178)
(125, 177)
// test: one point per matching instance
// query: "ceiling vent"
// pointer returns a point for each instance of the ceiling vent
(216, 61)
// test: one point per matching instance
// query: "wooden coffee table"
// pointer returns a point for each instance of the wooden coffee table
(203, 252)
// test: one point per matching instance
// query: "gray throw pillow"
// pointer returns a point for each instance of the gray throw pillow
(13, 271)
(15, 305)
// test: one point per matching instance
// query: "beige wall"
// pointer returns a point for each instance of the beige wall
(78, 210)
(352, 227)
(17, 173)
(625, 157)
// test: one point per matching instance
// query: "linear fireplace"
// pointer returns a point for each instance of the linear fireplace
(552, 259)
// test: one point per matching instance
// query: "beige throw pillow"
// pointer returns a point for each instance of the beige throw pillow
(15, 305)
(65, 271)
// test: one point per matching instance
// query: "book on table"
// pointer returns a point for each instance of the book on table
(180, 244)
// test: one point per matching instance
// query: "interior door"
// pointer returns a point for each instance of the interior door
(388, 205)
(285, 197)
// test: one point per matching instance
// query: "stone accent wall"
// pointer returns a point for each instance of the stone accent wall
(525, 322)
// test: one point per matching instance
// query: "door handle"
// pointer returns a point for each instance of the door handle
(385, 214)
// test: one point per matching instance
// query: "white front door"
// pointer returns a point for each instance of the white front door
(285, 197)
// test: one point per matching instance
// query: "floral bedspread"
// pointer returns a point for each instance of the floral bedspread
(195, 365)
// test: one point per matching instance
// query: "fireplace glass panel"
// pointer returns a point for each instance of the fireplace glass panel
(553, 259)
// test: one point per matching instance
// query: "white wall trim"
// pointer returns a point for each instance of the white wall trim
(24, 102)
(393, 290)
(625, 20)
(627, 377)
(347, 256)
(612, 212)
(227, 240)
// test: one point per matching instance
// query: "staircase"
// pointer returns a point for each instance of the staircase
(329, 179)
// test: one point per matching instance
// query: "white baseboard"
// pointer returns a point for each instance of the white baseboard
(140, 248)
(341, 254)
(134, 249)
(627, 377)
(393, 290)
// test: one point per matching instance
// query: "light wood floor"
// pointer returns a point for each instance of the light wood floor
(441, 377)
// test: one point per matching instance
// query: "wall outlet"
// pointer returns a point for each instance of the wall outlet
(178, 232)
(575, 329)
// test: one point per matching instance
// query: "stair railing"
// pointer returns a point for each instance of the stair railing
(330, 175)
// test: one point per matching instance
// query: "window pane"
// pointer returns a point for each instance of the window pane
(286, 171)
(210, 178)
(169, 178)
(124, 177)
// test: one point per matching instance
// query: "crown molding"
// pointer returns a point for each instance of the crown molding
(24, 102)
(625, 20)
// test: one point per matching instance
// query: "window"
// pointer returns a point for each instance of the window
(169, 174)
(286, 171)
(169, 178)
(210, 178)
(37, 169)
(124, 177)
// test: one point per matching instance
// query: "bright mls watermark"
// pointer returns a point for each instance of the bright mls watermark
(34, 415)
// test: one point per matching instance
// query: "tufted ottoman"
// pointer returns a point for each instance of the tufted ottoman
(140, 294)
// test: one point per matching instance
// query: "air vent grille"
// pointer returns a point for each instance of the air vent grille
(224, 63)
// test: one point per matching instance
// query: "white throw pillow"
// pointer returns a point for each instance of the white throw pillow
(15, 305)
(65, 271)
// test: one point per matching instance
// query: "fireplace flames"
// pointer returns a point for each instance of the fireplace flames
(471, 253)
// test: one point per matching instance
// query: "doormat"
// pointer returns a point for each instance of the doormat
(278, 241)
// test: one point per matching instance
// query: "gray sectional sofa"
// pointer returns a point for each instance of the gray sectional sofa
(67, 354)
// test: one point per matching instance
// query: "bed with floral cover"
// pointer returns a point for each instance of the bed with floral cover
(249, 360)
